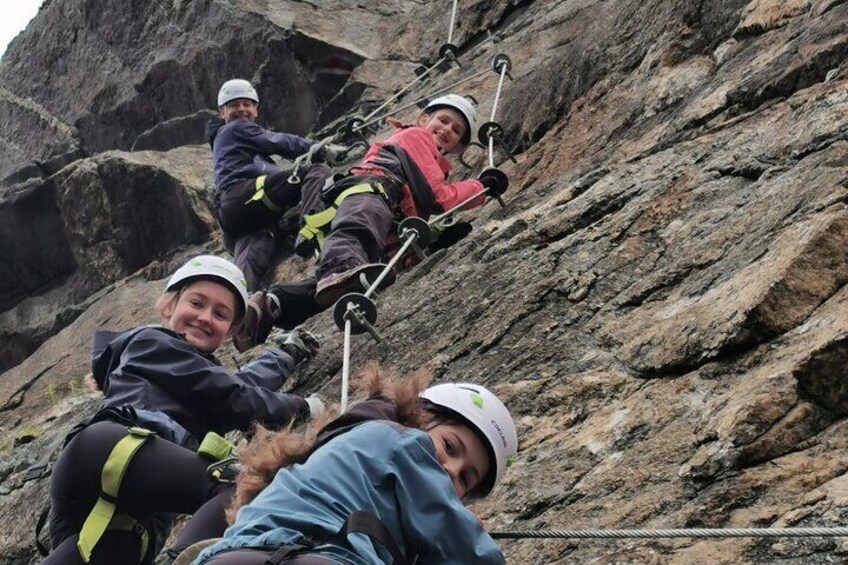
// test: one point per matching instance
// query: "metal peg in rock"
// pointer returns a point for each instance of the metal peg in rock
(360, 311)
(501, 63)
(492, 176)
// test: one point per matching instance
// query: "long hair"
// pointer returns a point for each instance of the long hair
(268, 451)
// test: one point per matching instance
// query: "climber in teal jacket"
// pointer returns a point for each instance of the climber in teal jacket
(412, 480)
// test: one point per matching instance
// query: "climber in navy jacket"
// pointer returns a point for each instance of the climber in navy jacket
(147, 453)
(253, 193)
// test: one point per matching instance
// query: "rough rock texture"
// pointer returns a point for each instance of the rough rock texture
(99, 73)
(662, 302)
(92, 223)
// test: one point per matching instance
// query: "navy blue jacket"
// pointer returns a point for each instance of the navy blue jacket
(182, 393)
(242, 150)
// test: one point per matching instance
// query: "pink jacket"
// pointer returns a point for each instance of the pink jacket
(421, 148)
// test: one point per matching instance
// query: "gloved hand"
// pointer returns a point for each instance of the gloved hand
(495, 180)
(332, 154)
(298, 343)
(316, 406)
(449, 235)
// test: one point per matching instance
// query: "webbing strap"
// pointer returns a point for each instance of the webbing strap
(361, 522)
(215, 447)
(125, 523)
(316, 225)
(263, 197)
(103, 513)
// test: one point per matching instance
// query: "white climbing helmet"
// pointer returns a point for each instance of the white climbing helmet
(212, 267)
(483, 410)
(236, 88)
(462, 105)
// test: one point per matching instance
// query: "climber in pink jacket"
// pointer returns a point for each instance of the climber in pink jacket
(403, 176)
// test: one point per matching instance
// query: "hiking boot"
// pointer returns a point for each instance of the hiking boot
(306, 248)
(299, 343)
(358, 279)
(258, 321)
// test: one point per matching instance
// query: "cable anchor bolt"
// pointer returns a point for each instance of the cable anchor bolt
(360, 311)
(501, 61)
(419, 229)
(499, 179)
(494, 130)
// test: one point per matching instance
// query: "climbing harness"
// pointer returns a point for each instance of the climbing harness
(311, 235)
(103, 516)
(215, 447)
(261, 196)
(679, 533)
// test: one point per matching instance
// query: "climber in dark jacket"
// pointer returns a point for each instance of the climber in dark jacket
(165, 395)
(253, 193)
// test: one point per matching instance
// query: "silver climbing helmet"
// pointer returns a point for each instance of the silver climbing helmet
(487, 414)
(210, 267)
(462, 105)
(234, 89)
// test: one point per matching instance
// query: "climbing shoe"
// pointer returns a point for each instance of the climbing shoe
(358, 279)
(299, 343)
(258, 321)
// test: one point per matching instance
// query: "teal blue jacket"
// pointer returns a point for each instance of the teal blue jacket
(382, 468)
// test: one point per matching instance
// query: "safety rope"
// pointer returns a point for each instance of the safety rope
(346, 359)
(678, 533)
(424, 74)
(374, 120)
(367, 122)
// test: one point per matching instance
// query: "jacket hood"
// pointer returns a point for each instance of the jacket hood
(212, 127)
(107, 347)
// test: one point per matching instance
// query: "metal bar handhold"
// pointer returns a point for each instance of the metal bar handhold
(453, 210)
(452, 22)
(346, 363)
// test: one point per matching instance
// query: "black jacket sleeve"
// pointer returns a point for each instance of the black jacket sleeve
(225, 399)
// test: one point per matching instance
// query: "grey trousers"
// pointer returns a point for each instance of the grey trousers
(357, 234)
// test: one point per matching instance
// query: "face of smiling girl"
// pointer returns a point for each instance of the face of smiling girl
(447, 126)
(203, 314)
(462, 454)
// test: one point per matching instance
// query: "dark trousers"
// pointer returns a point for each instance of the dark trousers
(251, 229)
(260, 557)
(162, 478)
(357, 234)
(208, 522)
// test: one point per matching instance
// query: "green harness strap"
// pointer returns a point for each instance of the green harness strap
(260, 195)
(315, 226)
(102, 516)
(215, 447)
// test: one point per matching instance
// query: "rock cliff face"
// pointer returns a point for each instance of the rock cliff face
(662, 302)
